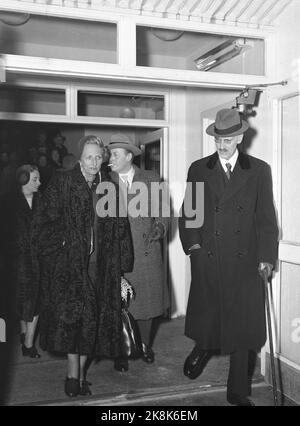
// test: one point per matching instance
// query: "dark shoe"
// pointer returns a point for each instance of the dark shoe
(240, 401)
(72, 387)
(147, 354)
(22, 338)
(85, 388)
(31, 352)
(195, 363)
(121, 364)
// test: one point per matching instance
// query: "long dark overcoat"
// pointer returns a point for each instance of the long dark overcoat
(148, 275)
(74, 308)
(226, 302)
(20, 233)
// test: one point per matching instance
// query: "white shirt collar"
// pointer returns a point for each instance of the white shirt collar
(232, 161)
(128, 177)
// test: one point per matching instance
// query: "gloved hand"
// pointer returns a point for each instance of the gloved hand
(265, 269)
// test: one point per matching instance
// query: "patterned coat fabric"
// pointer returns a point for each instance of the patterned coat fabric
(226, 302)
(78, 314)
(147, 277)
(21, 234)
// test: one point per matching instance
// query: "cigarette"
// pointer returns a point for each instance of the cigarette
(109, 165)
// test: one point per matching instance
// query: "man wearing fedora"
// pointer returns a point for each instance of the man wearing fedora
(235, 244)
(147, 277)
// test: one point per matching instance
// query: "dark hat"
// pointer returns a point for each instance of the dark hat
(228, 123)
(119, 140)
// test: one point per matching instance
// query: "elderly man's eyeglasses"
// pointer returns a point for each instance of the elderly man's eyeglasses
(226, 141)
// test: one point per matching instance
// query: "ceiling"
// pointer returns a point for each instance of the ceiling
(253, 13)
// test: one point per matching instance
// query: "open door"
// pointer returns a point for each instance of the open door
(286, 288)
(154, 156)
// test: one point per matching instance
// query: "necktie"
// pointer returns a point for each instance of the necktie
(228, 172)
(126, 182)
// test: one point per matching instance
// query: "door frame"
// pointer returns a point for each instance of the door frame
(283, 246)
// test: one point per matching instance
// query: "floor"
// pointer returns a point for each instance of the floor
(40, 382)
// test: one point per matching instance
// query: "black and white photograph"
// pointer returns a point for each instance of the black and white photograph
(149, 205)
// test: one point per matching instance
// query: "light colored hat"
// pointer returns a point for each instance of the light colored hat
(119, 140)
(228, 123)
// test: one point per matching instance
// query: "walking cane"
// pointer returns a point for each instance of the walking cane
(272, 357)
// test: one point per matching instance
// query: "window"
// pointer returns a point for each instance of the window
(133, 106)
(184, 50)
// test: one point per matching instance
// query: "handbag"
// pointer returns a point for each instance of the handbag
(131, 338)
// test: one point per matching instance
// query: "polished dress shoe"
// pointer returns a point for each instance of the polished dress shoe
(72, 387)
(85, 388)
(196, 362)
(239, 401)
(31, 352)
(147, 354)
(121, 364)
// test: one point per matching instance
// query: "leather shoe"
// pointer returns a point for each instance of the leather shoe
(147, 354)
(239, 401)
(195, 363)
(31, 352)
(85, 388)
(121, 364)
(72, 387)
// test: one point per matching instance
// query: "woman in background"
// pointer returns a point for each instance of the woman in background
(55, 159)
(26, 203)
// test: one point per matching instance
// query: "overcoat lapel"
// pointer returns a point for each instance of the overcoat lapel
(242, 172)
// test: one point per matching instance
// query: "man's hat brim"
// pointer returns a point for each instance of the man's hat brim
(211, 130)
(130, 147)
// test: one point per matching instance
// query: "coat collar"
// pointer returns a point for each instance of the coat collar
(79, 178)
(243, 161)
(241, 174)
(137, 172)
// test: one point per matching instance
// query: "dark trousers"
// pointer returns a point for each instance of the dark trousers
(238, 378)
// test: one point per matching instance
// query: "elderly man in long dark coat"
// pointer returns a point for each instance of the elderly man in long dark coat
(236, 242)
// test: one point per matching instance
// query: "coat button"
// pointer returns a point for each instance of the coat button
(240, 254)
(240, 208)
(217, 209)
(217, 233)
(210, 254)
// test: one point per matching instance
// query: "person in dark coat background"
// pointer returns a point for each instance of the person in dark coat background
(81, 276)
(147, 278)
(237, 241)
(22, 208)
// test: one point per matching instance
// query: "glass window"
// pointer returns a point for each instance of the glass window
(290, 170)
(290, 312)
(61, 38)
(195, 51)
(32, 101)
(91, 104)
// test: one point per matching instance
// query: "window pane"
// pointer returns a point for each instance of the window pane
(290, 170)
(59, 38)
(33, 101)
(120, 106)
(163, 48)
(290, 312)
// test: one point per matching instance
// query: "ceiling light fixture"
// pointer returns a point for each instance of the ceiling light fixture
(221, 54)
(14, 18)
(165, 34)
